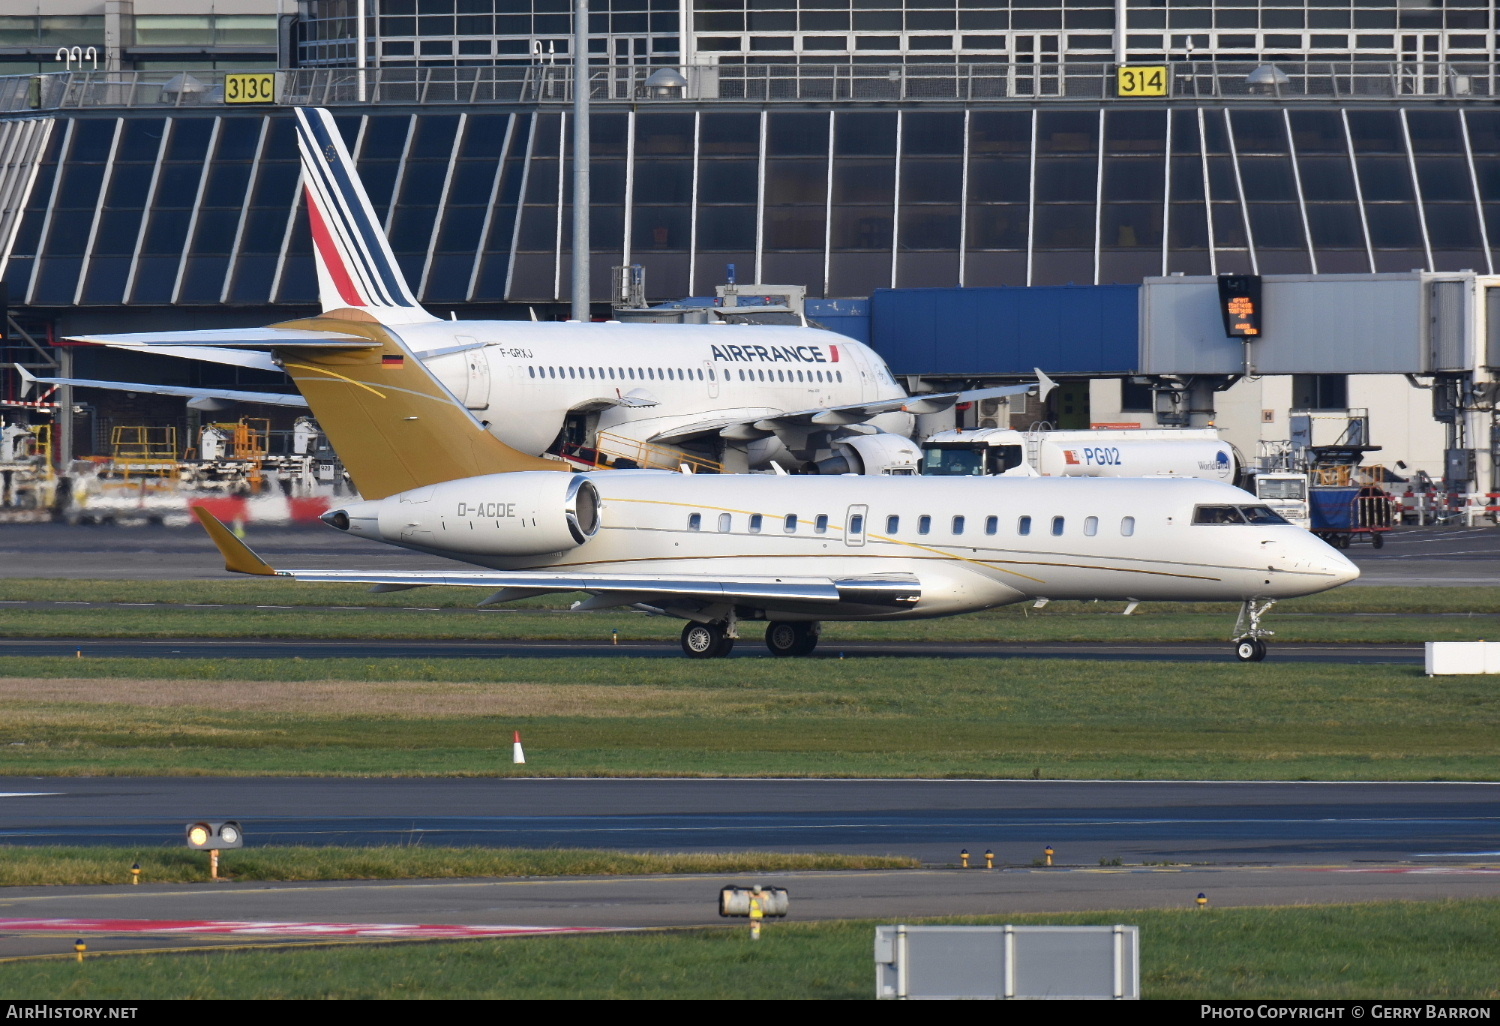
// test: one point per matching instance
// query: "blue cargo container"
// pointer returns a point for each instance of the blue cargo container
(1064, 329)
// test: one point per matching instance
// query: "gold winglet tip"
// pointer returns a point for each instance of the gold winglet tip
(238, 557)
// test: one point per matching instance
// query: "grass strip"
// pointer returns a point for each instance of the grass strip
(22, 866)
(1082, 622)
(1390, 950)
(1003, 718)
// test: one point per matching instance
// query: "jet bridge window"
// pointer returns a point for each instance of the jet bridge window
(1127, 526)
(1090, 526)
(755, 522)
(892, 525)
(695, 521)
(725, 523)
(790, 526)
(924, 525)
(1057, 526)
(991, 525)
(820, 525)
(1023, 526)
(958, 525)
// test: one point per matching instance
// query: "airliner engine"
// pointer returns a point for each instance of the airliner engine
(878, 453)
(521, 514)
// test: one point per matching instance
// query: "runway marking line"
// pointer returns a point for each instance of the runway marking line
(234, 928)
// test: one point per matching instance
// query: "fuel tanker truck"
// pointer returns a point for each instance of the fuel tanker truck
(1136, 452)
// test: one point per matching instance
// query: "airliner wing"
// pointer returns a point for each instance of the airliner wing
(745, 429)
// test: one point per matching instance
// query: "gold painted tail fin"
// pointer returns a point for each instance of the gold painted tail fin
(393, 424)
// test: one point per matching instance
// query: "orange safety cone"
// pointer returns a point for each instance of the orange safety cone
(518, 754)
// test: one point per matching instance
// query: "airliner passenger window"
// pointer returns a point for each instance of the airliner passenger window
(1023, 526)
(1091, 526)
(725, 522)
(591, 374)
(570, 372)
(742, 374)
(531, 372)
(755, 522)
(695, 521)
(892, 525)
(551, 372)
(958, 525)
(924, 525)
(991, 525)
(820, 525)
(791, 524)
(1127, 526)
(630, 371)
(1217, 515)
(1057, 525)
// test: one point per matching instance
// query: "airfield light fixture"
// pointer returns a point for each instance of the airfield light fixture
(212, 836)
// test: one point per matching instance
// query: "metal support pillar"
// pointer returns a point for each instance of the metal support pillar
(581, 290)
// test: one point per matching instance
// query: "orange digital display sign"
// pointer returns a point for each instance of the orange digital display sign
(1239, 302)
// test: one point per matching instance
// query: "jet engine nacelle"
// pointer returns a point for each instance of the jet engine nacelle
(881, 453)
(520, 514)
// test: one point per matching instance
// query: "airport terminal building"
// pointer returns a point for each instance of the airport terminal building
(844, 145)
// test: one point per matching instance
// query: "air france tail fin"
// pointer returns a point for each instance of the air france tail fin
(356, 268)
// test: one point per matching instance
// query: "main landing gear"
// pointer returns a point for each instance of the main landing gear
(706, 641)
(1248, 646)
(715, 640)
(792, 638)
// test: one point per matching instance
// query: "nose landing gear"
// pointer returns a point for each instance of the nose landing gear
(1248, 646)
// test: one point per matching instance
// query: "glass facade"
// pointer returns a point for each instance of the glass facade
(917, 31)
(204, 210)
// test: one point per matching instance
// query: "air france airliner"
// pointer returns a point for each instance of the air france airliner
(743, 396)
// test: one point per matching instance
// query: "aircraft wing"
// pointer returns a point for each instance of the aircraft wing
(607, 589)
(253, 358)
(269, 398)
(741, 429)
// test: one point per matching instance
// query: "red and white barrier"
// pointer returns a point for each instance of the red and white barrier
(200, 927)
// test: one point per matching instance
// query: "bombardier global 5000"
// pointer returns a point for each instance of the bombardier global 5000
(792, 552)
(743, 396)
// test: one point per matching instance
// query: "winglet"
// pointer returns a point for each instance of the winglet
(1044, 385)
(28, 380)
(238, 558)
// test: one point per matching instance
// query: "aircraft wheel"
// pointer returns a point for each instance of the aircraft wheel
(791, 639)
(1250, 650)
(705, 641)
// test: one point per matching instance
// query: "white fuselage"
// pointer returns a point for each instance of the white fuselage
(523, 378)
(972, 543)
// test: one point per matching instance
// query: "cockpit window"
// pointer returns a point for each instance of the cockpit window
(1259, 515)
(1262, 515)
(1217, 515)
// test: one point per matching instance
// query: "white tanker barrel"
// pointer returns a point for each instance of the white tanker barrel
(1206, 459)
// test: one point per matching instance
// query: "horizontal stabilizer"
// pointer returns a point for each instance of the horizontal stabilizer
(263, 338)
(233, 395)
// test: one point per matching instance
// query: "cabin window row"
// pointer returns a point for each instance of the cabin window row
(958, 525)
(624, 373)
(761, 374)
(679, 374)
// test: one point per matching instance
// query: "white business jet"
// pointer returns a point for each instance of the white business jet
(739, 395)
(720, 550)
